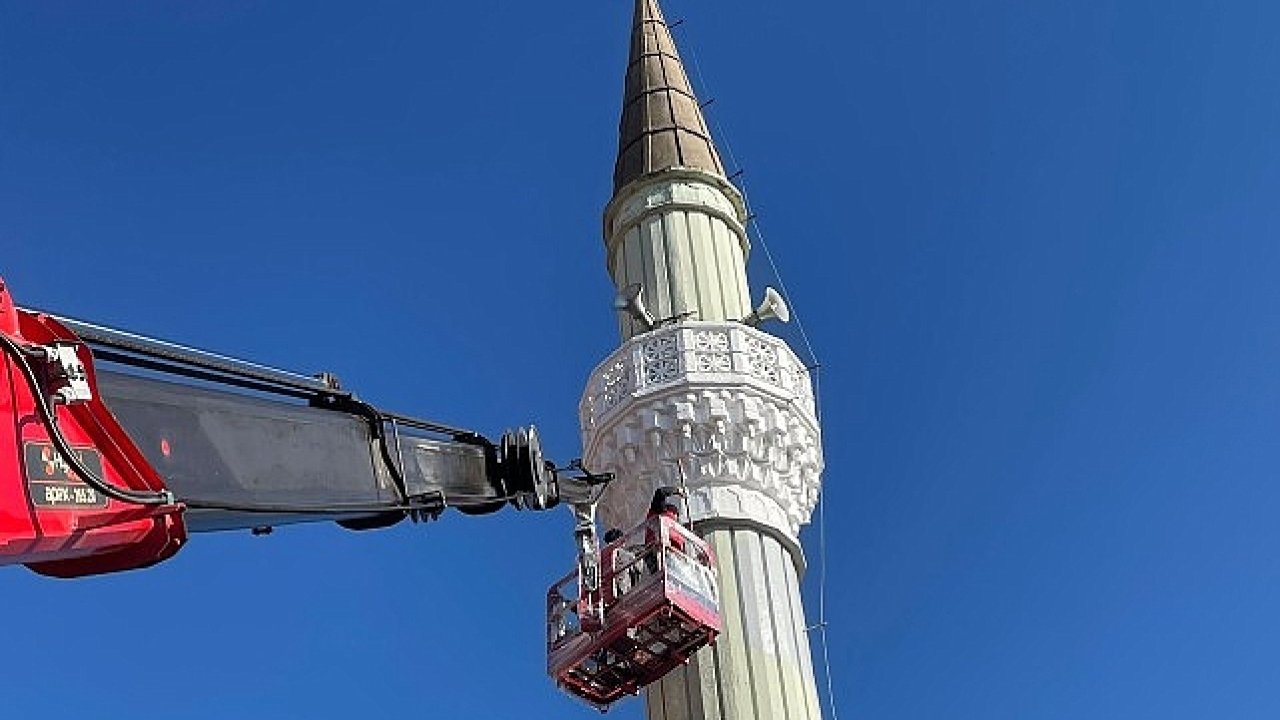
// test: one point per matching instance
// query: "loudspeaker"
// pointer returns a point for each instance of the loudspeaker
(773, 307)
(631, 301)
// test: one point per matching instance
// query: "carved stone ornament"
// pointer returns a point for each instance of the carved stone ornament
(730, 405)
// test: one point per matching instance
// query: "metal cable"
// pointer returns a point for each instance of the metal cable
(446, 501)
(335, 509)
(815, 368)
(753, 222)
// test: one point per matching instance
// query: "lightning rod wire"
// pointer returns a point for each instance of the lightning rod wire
(815, 368)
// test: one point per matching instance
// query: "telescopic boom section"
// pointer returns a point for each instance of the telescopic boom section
(114, 446)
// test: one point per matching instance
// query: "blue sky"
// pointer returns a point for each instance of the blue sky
(1034, 243)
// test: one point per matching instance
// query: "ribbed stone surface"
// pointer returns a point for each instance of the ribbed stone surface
(761, 668)
(685, 245)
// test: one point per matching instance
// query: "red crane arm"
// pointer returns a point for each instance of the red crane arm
(114, 446)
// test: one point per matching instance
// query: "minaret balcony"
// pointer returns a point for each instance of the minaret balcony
(726, 406)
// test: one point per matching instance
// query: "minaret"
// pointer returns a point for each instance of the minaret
(703, 394)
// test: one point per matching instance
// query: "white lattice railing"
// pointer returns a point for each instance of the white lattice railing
(701, 353)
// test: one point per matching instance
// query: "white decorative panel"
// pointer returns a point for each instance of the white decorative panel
(729, 404)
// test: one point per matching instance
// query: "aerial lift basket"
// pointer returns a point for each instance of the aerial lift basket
(656, 605)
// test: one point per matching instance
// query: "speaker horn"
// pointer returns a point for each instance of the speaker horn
(773, 307)
(631, 301)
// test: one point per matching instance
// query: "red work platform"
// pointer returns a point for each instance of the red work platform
(660, 604)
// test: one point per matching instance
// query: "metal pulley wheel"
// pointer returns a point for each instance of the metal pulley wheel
(527, 476)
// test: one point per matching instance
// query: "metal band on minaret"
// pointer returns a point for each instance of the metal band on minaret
(697, 393)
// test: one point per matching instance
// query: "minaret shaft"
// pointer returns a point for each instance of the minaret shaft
(679, 235)
(750, 672)
(703, 397)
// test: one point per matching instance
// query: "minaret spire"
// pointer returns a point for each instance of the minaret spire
(662, 124)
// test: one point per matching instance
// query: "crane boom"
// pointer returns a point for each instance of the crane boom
(120, 445)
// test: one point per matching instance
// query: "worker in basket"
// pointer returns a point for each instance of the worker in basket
(625, 571)
(662, 505)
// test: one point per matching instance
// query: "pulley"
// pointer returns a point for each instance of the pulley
(529, 479)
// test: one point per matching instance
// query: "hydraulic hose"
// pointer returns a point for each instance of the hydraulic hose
(50, 420)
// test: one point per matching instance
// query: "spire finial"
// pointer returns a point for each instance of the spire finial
(662, 124)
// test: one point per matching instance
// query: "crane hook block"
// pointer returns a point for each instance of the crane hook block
(77, 497)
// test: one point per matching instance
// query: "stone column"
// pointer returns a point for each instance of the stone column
(678, 234)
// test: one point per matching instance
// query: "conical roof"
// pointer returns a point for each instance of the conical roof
(662, 125)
